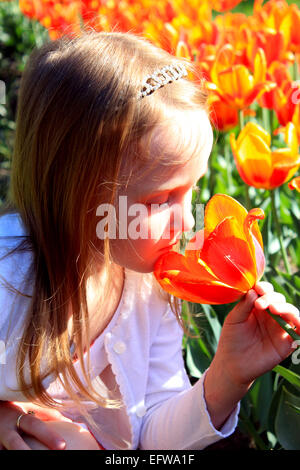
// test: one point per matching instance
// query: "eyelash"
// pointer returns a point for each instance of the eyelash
(167, 201)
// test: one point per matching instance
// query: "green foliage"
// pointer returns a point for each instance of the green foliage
(18, 37)
(270, 412)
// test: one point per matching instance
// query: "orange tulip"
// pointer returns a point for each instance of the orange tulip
(295, 184)
(281, 98)
(229, 262)
(234, 84)
(273, 44)
(223, 116)
(257, 164)
(295, 28)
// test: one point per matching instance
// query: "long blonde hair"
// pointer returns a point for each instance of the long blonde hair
(77, 119)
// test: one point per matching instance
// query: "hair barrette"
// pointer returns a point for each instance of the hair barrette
(161, 77)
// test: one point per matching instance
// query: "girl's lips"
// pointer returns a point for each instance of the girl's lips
(172, 244)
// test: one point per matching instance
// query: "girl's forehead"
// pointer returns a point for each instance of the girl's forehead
(179, 146)
(179, 137)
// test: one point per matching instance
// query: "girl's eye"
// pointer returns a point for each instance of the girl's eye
(159, 201)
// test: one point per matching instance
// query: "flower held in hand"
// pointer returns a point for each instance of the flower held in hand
(229, 262)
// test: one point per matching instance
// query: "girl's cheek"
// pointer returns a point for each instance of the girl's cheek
(147, 226)
(159, 225)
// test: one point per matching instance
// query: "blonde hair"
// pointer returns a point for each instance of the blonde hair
(77, 120)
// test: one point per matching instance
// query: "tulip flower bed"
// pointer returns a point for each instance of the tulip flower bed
(251, 64)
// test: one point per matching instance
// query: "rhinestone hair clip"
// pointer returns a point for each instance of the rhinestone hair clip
(161, 77)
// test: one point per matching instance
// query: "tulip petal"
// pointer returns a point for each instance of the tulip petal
(291, 138)
(221, 206)
(285, 165)
(254, 157)
(236, 81)
(175, 262)
(173, 276)
(260, 67)
(253, 128)
(225, 58)
(295, 184)
(226, 250)
(226, 263)
(250, 230)
(211, 294)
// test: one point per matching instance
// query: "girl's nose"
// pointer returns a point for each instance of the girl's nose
(182, 219)
(188, 220)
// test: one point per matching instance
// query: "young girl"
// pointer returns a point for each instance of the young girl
(92, 345)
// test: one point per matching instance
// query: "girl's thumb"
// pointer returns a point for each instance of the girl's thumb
(243, 309)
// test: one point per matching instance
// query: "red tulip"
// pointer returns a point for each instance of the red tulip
(228, 263)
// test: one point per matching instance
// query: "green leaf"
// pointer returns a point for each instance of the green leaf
(289, 375)
(197, 360)
(214, 324)
(287, 422)
(261, 394)
(294, 407)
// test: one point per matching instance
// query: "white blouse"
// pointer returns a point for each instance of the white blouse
(138, 358)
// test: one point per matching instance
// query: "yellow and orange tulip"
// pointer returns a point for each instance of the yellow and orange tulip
(295, 184)
(281, 98)
(223, 116)
(257, 164)
(233, 82)
(228, 263)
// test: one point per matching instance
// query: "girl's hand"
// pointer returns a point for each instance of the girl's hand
(251, 343)
(10, 438)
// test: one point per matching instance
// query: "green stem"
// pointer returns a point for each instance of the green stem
(279, 233)
(212, 176)
(266, 120)
(228, 164)
(247, 196)
(241, 119)
(272, 125)
(285, 326)
(296, 69)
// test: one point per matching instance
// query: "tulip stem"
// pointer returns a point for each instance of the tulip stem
(296, 69)
(279, 233)
(272, 125)
(247, 196)
(241, 119)
(228, 165)
(285, 326)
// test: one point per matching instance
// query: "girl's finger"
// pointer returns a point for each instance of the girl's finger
(243, 309)
(289, 313)
(285, 309)
(13, 441)
(266, 300)
(263, 287)
(44, 413)
(51, 415)
(38, 429)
